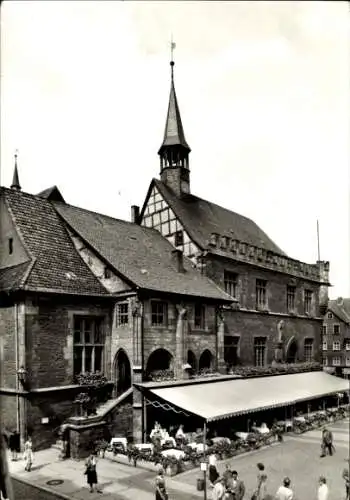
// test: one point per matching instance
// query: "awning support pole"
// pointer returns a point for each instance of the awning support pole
(204, 458)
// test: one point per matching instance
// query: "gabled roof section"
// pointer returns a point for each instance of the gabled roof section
(141, 255)
(12, 278)
(201, 218)
(340, 308)
(56, 266)
(174, 133)
(52, 194)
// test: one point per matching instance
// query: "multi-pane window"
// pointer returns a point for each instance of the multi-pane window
(290, 298)
(325, 361)
(330, 315)
(231, 344)
(88, 344)
(260, 351)
(347, 361)
(336, 345)
(308, 350)
(347, 345)
(261, 295)
(307, 301)
(336, 329)
(336, 361)
(122, 314)
(324, 344)
(199, 316)
(159, 313)
(324, 329)
(231, 283)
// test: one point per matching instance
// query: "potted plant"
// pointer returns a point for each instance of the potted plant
(82, 400)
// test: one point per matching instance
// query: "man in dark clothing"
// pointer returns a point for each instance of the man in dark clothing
(327, 442)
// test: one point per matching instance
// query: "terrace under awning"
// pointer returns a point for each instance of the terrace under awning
(224, 399)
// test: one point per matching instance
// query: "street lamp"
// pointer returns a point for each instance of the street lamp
(22, 375)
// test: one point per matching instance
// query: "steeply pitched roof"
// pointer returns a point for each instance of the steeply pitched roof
(174, 133)
(52, 194)
(200, 218)
(13, 277)
(340, 308)
(140, 254)
(56, 265)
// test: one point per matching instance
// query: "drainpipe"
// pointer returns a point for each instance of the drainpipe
(144, 407)
(18, 416)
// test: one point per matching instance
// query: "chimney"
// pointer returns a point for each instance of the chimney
(177, 259)
(135, 214)
(340, 301)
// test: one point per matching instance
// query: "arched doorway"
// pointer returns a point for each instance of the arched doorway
(122, 372)
(192, 360)
(292, 351)
(205, 360)
(159, 360)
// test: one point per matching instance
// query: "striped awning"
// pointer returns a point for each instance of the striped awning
(224, 399)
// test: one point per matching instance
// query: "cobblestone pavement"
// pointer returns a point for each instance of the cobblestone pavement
(298, 457)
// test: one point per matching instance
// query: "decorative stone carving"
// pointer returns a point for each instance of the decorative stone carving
(181, 311)
(136, 309)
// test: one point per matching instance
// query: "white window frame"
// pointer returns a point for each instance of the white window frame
(336, 361)
(336, 345)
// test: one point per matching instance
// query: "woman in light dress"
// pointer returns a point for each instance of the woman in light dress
(261, 490)
(28, 454)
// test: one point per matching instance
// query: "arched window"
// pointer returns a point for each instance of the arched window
(122, 372)
(205, 361)
(159, 361)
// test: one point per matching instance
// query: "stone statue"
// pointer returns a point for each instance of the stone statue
(181, 311)
(136, 308)
(280, 327)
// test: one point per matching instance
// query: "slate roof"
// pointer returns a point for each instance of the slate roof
(13, 277)
(340, 308)
(140, 254)
(200, 218)
(52, 194)
(55, 264)
(174, 133)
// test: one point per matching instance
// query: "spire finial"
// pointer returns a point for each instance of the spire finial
(172, 47)
(15, 181)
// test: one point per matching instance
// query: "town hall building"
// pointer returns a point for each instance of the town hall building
(187, 292)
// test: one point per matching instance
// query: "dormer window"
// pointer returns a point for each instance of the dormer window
(10, 246)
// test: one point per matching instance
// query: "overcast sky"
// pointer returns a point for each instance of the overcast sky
(263, 89)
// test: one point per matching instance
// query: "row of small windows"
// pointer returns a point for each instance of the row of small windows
(159, 314)
(336, 361)
(231, 287)
(336, 329)
(231, 350)
(336, 345)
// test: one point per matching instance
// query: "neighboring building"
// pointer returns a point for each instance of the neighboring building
(280, 301)
(336, 337)
(83, 292)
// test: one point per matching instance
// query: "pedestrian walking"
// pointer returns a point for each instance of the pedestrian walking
(237, 486)
(91, 473)
(161, 493)
(327, 442)
(345, 476)
(14, 445)
(285, 492)
(261, 490)
(323, 491)
(28, 454)
(219, 490)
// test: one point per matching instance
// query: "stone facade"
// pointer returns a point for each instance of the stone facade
(336, 337)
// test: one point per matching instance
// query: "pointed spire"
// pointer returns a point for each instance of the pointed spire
(15, 181)
(174, 133)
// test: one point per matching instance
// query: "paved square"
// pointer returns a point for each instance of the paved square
(299, 458)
